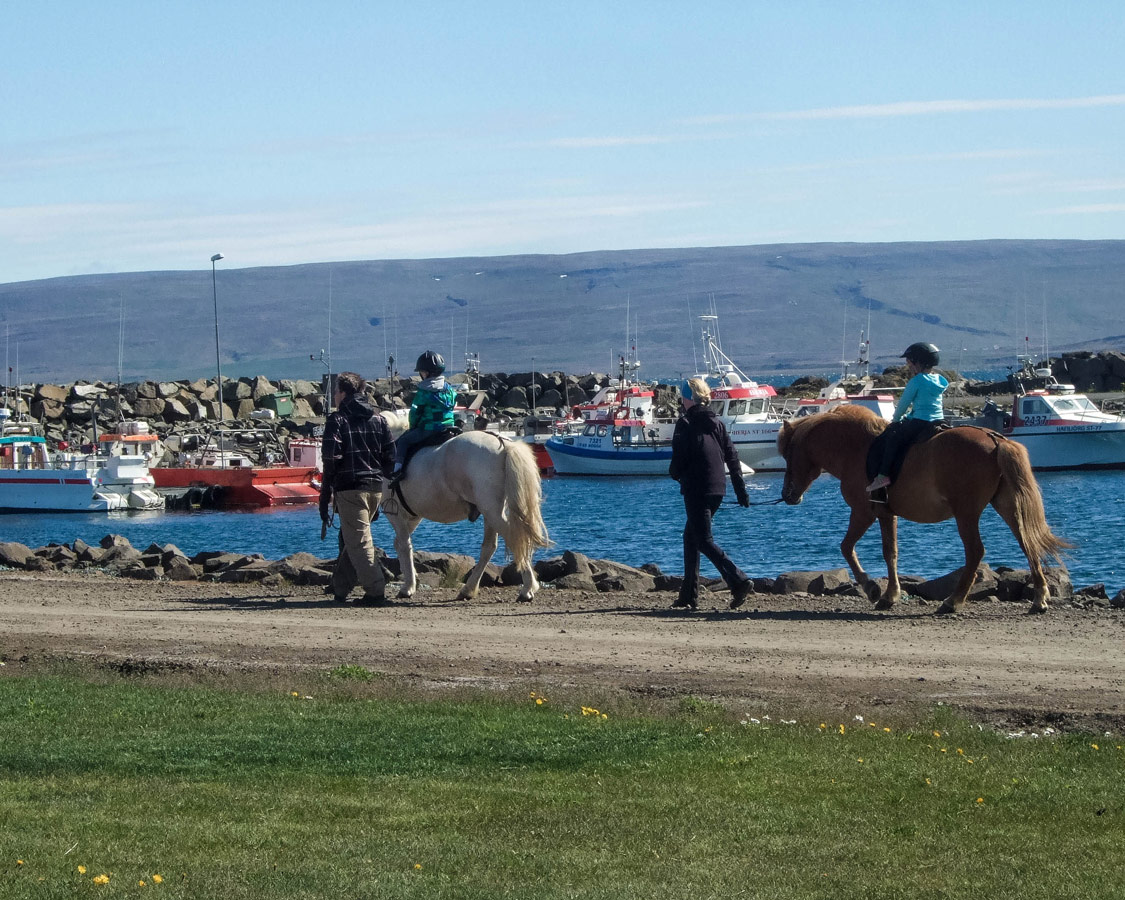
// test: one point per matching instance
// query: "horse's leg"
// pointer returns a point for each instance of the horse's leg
(404, 549)
(888, 530)
(858, 524)
(488, 547)
(968, 526)
(1005, 504)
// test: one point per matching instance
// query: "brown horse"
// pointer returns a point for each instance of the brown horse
(955, 474)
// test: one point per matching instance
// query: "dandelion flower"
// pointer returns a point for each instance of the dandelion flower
(294, 694)
(980, 799)
(822, 725)
(19, 862)
(417, 865)
(887, 730)
(927, 781)
(141, 883)
(960, 751)
(101, 879)
(604, 716)
(157, 879)
(841, 729)
(1095, 746)
(538, 701)
(937, 734)
(81, 870)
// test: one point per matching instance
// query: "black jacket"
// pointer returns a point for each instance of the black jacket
(357, 450)
(702, 454)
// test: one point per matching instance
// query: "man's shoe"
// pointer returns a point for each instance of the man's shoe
(373, 600)
(740, 592)
(686, 602)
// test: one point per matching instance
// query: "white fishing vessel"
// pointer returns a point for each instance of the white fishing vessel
(1060, 428)
(31, 481)
(623, 435)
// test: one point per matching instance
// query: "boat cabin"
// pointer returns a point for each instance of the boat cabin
(23, 451)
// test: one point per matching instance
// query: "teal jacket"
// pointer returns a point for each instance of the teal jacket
(432, 409)
(921, 398)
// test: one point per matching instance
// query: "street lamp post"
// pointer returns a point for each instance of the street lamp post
(218, 367)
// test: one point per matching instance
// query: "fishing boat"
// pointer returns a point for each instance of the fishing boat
(217, 474)
(622, 434)
(1060, 428)
(32, 481)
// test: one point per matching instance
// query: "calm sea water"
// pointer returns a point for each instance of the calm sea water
(637, 521)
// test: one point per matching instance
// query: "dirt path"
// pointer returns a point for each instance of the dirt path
(778, 653)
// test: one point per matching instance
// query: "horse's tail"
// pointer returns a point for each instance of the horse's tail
(1038, 540)
(524, 493)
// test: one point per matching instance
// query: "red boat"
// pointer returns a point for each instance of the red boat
(220, 478)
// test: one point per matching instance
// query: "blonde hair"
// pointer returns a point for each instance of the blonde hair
(700, 391)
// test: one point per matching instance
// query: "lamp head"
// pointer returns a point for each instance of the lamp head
(216, 257)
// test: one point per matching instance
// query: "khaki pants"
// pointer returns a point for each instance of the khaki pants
(356, 563)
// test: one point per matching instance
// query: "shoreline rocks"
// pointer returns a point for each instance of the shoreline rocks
(115, 555)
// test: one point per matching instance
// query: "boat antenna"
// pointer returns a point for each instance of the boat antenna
(691, 331)
(328, 386)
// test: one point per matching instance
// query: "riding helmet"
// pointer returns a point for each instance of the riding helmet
(922, 354)
(431, 362)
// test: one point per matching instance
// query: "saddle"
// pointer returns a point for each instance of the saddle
(901, 436)
(434, 439)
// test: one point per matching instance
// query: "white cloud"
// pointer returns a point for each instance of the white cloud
(919, 108)
(1083, 210)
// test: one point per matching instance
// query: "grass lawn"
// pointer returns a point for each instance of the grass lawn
(334, 789)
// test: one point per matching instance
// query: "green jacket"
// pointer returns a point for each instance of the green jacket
(432, 409)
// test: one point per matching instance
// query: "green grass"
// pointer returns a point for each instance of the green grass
(333, 791)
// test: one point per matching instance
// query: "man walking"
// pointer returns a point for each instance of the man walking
(357, 452)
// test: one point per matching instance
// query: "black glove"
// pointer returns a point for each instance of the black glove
(326, 505)
(740, 493)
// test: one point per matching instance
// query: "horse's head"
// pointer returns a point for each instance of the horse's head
(800, 469)
(398, 421)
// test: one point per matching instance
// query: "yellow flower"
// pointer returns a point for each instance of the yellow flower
(1095, 746)
(101, 879)
(980, 799)
(604, 716)
(417, 865)
(81, 870)
(860, 759)
(927, 781)
(822, 725)
(937, 734)
(960, 751)
(538, 701)
(157, 879)
(841, 729)
(294, 694)
(19, 862)
(141, 883)
(887, 730)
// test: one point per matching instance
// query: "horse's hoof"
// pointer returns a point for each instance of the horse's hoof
(884, 604)
(1037, 609)
(405, 595)
(871, 592)
(523, 599)
(946, 609)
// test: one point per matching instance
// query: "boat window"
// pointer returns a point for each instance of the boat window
(757, 405)
(1064, 404)
(603, 430)
(1034, 406)
(736, 408)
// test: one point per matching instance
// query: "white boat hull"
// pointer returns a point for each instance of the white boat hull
(1100, 446)
(756, 445)
(55, 490)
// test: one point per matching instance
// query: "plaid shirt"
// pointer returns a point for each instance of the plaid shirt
(357, 446)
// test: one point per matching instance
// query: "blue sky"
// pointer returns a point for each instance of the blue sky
(146, 136)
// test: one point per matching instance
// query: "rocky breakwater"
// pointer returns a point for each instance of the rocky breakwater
(114, 555)
(175, 409)
(1089, 372)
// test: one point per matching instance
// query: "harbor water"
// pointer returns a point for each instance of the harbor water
(639, 520)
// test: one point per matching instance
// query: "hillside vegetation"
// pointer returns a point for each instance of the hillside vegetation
(784, 309)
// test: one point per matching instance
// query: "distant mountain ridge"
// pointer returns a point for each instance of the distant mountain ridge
(783, 308)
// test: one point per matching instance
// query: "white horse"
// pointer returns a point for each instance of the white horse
(473, 474)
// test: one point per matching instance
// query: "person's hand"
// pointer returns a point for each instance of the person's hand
(743, 497)
(326, 505)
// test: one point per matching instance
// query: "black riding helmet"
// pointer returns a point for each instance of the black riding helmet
(922, 354)
(431, 362)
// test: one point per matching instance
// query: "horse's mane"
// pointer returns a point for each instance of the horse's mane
(844, 414)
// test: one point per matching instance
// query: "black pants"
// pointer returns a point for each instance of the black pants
(898, 438)
(698, 539)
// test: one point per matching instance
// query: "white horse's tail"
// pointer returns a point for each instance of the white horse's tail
(524, 493)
